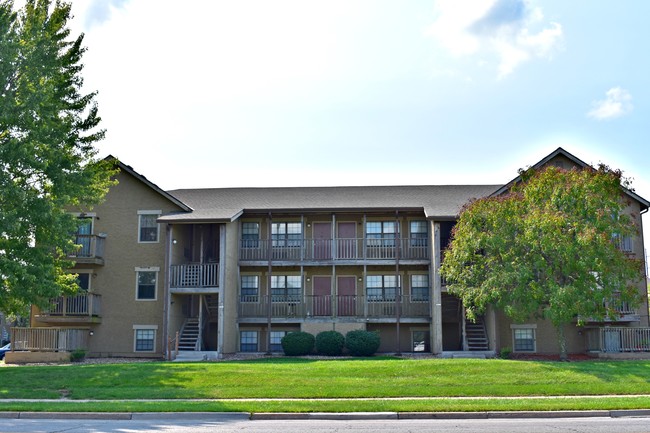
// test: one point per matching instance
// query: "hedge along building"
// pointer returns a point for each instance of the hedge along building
(235, 269)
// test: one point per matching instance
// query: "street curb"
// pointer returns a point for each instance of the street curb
(629, 412)
(183, 416)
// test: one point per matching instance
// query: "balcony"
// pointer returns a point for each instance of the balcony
(328, 306)
(81, 308)
(90, 249)
(622, 313)
(194, 277)
(334, 250)
(618, 339)
(49, 339)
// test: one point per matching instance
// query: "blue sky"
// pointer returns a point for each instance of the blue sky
(259, 93)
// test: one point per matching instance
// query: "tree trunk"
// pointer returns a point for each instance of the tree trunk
(561, 340)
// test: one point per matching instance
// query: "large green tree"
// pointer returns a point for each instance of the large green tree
(48, 162)
(547, 249)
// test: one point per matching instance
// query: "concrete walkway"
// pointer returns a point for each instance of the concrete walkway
(217, 416)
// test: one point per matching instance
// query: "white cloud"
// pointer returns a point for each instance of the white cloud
(507, 29)
(99, 11)
(617, 103)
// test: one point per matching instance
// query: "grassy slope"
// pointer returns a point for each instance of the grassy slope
(302, 378)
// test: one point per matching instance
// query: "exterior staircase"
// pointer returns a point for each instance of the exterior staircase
(189, 337)
(212, 303)
(476, 334)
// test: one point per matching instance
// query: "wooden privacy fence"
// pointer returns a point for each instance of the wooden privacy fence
(49, 339)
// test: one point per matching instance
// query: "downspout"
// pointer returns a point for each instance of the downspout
(222, 288)
(167, 295)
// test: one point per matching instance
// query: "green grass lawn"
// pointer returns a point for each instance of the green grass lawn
(331, 379)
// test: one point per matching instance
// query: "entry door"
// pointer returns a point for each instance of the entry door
(322, 300)
(322, 241)
(347, 301)
(347, 242)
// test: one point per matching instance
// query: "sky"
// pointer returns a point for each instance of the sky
(366, 92)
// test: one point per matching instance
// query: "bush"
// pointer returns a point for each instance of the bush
(77, 355)
(330, 343)
(297, 343)
(362, 343)
(505, 352)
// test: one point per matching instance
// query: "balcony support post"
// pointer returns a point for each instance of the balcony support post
(269, 311)
(398, 289)
(436, 299)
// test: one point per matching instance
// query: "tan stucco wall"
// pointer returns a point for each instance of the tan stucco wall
(33, 357)
(545, 335)
(231, 288)
(115, 281)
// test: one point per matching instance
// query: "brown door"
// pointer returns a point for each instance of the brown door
(322, 299)
(347, 242)
(322, 241)
(347, 301)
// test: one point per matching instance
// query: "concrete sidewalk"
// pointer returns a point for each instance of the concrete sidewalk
(239, 416)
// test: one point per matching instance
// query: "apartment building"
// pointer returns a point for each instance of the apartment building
(210, 272)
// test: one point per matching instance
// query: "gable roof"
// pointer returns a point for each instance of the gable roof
(147, 182)
(580, 163)
(227, 204)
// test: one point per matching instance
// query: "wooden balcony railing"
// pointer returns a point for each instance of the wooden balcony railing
(89, 247)
(334, 249)
(82, 304)
(49, 339)
(332, 306)
(194, 275)
(618, 339)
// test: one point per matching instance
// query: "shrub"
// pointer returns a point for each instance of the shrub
(362, 343)
(330, 343)
(297, 343)
(77, 355)
(505, 352)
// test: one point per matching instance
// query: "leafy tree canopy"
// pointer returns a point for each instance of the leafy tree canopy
(48, 163)
(547, 248)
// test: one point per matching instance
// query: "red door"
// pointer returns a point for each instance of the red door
(322, 241)
(322, 299)
(347, 301)
(347, 242)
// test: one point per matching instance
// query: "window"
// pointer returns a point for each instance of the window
(623, 243)
(421, 341)
(148, 229)
(250, 235)
(145, 338)
(381, 287)
(286, 234)
(146, 284)
(286, 288)
(248, 341)
(420, 287)
(250, 288)
(419, 234)
(523, 337)
(276, 340)
(381, 233)
(83, 281)
(83, 236)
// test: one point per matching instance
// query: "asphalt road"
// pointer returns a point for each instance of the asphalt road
(238, 424)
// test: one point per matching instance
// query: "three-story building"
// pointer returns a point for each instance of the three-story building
(220, 271)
